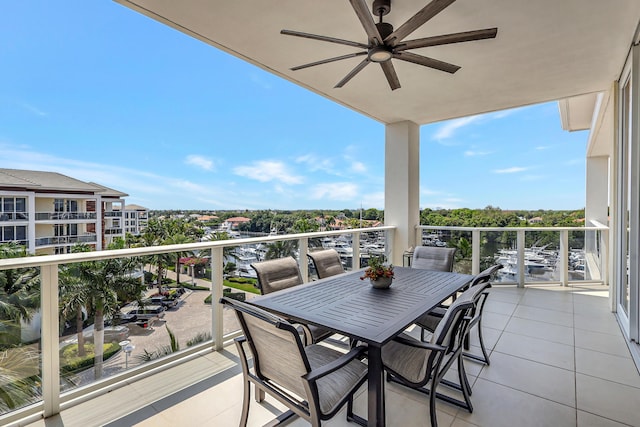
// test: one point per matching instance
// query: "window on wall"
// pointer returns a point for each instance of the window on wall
(8, 204)
(21, 204)
(11, 233)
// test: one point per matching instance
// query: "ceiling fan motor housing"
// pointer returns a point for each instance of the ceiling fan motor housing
(384, 28)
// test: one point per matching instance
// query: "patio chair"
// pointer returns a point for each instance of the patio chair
(314, 382)
(429, 322)
(327, 263)
(417, 364)
(282, 273)
(433, 258)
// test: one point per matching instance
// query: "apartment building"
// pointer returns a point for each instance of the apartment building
(49, 212)
(135, 218)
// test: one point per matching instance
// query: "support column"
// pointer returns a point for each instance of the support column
(596, 209)
(402, 185)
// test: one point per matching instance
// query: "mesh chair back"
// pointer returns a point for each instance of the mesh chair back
(276, 346)
(448, 331)
(277, 274)
(485, 275)
(433, 258)
(327, 263)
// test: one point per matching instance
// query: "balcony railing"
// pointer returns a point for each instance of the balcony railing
(200, 326)
(14, 216)
(65, 240)
(113, 214)
(529, 254)
(54, 216)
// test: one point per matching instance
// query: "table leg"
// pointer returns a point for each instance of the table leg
(376, 413)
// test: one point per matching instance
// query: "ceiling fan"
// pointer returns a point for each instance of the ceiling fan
(385, 43)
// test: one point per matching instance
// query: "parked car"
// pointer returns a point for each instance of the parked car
(111, 333)
(147, 312)
(164, 301)
(124, 317)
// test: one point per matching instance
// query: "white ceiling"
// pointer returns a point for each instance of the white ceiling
(545, 50)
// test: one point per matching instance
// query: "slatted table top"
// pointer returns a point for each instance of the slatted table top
(352, 307)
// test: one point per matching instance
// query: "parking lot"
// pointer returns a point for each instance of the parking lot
(188, 318)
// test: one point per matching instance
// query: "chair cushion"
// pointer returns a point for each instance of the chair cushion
(333, 387)
(318, 333)
(429, 322)
(407, 361)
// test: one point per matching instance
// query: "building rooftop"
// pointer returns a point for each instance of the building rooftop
(28, 180)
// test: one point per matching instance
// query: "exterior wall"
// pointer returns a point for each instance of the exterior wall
(41, 222)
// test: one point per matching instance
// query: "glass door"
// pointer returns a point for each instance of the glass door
(628, 210)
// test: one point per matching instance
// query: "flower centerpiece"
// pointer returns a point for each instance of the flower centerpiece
(379, 273)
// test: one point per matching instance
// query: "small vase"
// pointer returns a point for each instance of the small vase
(381, 282)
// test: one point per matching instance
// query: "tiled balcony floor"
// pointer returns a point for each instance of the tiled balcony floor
(557, 359)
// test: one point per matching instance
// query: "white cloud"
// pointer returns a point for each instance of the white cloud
(268, 170)
(515, 169)
(542, 147)
(448, 129)
(471, 153)
(428, 192)
(358, 167)
(199, 161)
(335, 191)
(576, 161)
(315, 163)
(34, 110)
(185, 185)
(373, 200)
(155, 190)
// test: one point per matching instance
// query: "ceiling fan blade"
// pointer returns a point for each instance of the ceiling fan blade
(352, 73)
(390, 74)
(417, 20)
(366, 19)
(326, 61)
(323, 38)
(426, 61)
(466, 36)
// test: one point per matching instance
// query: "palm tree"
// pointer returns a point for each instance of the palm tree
(178, 239)
(106, 283)
(281, 249)
(19, 292)
(19, 299)
(74, 297)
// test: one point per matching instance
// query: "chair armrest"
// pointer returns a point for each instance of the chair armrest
(419, 344)
(330, 367)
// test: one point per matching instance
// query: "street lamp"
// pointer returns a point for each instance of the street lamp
(128, 348)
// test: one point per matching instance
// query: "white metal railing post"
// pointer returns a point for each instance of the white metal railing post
(355, 253)
(475, 251)
(217, 278)
(49, 337)
(418, 236)
(564, 257)
(520, 242)
(388, 245)
(303, 244)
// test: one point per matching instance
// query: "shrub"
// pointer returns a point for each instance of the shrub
(70, 362)
(194, 288)
(200, 337)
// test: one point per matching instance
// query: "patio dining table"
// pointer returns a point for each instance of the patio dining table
(352, 307)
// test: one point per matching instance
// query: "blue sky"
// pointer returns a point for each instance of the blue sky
(98, 92)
